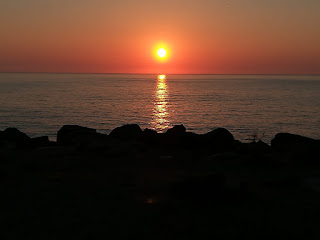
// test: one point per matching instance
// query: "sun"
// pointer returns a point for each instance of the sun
(161, 77)
(162, 53)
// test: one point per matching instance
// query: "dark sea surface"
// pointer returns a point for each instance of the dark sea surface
(40, 104)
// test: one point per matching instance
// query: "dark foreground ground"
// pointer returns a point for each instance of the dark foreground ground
(134, 184)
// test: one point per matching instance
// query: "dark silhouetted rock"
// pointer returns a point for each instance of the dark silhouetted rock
(40, 142)
(192, 140)
(126, 132)
(149, 135)
(2, 139)
(297, 149)
(220, 139)
(259, 148)
(74, 134)
(220, 135)
(177, 130)
(293, 142)
(173, 138)
(241, 147)
(149, 132)
(15, 136)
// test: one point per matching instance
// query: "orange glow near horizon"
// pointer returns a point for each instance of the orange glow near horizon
(200, 37)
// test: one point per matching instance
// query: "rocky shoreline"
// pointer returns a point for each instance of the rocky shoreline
(174, 185)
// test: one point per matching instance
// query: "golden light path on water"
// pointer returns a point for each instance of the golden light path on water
(160, 116)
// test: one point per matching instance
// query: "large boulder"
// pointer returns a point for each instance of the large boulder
(220, 139)
(149, 136)
(126, 132)
(173, 137)
(292, 143)
(177, 130)
(74, 134)
(15, 136)
(192, 140)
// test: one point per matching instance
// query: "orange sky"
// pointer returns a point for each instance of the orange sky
(235, 36)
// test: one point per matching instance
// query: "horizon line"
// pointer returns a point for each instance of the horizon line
(314, 74)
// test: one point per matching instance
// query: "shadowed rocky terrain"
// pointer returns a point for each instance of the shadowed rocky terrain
(140, 184)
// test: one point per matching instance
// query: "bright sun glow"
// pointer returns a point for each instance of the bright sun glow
(162, 52)
(161, 77)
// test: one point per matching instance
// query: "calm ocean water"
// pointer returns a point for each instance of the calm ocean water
(39, 104)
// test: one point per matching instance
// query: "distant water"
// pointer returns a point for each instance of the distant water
(39, 104)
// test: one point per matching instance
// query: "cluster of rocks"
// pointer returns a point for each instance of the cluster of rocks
(12, 138)
(219, 140)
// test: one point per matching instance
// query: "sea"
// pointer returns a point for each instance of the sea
(249, 106)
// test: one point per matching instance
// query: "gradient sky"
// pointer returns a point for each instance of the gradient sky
(120, 36)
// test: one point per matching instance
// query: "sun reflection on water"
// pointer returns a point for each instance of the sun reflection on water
(160, 116)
